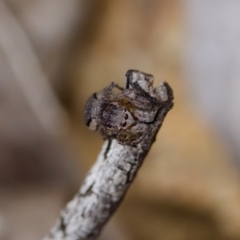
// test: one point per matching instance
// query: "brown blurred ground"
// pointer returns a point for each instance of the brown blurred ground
(186, 189)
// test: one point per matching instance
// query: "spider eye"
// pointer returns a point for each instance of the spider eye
(88, 122)
(95, 96)
(124, 124)
(89, 110)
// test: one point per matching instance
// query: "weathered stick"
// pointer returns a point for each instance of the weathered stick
(122, 153)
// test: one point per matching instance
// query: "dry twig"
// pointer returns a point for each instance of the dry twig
(129, 120)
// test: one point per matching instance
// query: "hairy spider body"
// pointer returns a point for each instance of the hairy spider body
(126, 113)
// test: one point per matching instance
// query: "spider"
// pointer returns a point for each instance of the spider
(125, 113)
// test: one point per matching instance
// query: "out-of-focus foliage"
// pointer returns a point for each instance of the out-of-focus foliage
(56, 53)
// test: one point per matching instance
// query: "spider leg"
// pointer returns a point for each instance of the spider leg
(133, 136)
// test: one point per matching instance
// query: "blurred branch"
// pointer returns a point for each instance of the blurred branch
(116, 166)
(28, 73)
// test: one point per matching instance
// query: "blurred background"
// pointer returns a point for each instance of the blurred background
(55, 53)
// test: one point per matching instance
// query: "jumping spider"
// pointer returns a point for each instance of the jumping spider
(127, 113)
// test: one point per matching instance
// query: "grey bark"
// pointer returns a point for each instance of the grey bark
(108, 180)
